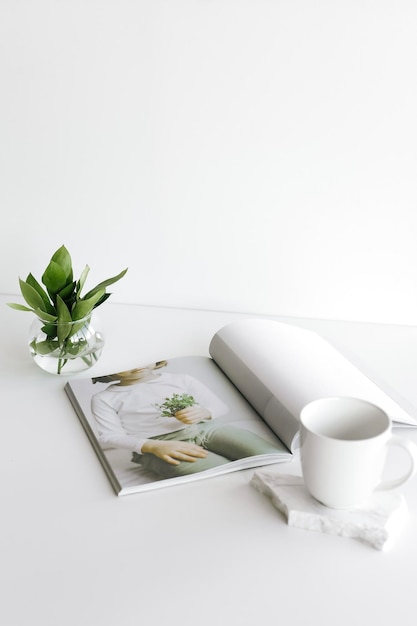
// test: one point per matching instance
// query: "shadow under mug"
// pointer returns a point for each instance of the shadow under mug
(343, 449)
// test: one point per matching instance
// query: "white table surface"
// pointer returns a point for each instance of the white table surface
(210, 552)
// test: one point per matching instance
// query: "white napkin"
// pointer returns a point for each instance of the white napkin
(376, 523)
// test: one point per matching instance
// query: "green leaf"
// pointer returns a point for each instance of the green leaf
(82, 279)
(63, 259)
(64, 320)
(50, 330)
(105, 297)
(18, 307)
(54, 278)
(74, 348)
(75, 328)
(68, 292)
(45, 317)
(106, 283)
(31, 280)
(84, 307)
(31, 296)
(44, 347)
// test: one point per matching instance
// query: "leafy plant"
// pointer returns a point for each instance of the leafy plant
(176, 403)
(60, 303)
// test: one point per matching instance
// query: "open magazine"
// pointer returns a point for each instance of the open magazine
(194, 417)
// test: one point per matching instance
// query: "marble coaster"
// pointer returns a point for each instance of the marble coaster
(376, 523)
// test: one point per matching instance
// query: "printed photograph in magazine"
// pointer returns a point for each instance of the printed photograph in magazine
(171, 421)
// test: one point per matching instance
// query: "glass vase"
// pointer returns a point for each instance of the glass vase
(66, 348)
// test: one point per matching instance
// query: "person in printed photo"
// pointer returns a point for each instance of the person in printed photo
(171, 422)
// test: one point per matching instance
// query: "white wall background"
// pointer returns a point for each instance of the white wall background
(253, 155)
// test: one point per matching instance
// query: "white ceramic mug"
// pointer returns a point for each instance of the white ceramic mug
(343, 445)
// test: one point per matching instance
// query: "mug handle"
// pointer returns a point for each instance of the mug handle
(411, 449)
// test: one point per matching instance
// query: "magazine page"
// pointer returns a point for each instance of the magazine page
(170, 422)
(281, 368)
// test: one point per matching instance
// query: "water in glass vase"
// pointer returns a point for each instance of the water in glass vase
(65, 348)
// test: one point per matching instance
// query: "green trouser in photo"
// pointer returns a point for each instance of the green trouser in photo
(223, 443)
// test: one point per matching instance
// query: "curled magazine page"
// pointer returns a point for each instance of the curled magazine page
(254, 386)
(280, 368)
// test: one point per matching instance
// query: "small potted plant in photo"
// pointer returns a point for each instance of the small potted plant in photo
(176, 403)
(63, 338)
